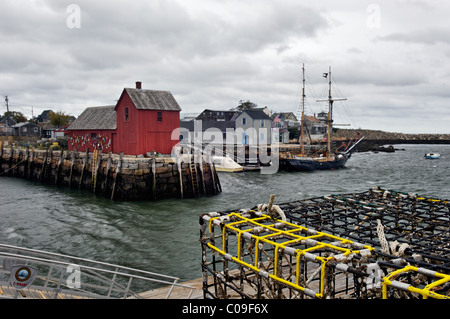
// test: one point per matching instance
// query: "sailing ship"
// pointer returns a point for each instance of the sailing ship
(330, 160)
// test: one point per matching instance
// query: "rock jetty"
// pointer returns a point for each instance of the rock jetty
(374, 140)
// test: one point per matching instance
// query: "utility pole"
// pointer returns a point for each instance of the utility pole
(7, 105)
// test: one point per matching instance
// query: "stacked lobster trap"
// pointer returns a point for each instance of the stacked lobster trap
(376, 244)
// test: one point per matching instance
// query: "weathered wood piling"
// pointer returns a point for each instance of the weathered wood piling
(114, 176)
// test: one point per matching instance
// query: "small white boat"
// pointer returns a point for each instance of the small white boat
(432, 156)
(226, 164)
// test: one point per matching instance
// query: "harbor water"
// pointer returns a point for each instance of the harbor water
(163, 236)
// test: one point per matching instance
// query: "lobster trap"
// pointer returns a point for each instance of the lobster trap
(337, 246)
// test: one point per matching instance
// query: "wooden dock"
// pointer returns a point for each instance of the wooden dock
(177, 291)
(9, 292)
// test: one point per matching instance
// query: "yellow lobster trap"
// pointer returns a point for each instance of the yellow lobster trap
(317, 248)
(392, 285)
(249, 254)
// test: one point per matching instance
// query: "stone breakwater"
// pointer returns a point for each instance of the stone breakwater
(373, 139)
(381, 135)
(117, 177)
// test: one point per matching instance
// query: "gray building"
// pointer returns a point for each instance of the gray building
(209, 115)
(253, 128)
(210, 132)
(6, 124)
(27, 129)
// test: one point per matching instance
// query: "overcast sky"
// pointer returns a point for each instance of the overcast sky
(388, 58)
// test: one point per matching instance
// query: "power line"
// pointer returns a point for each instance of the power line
(24, 108)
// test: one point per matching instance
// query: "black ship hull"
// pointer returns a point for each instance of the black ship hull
(307, 165)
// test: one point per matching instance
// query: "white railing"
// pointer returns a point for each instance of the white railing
(59, 274)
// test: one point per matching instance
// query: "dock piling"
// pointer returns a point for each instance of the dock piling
(118, 169)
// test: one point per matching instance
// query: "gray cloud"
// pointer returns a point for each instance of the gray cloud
(428, 36)
(215, 53)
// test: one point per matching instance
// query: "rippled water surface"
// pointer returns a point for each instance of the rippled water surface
(163, 236)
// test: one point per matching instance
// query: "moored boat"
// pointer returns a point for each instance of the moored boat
(432, 156)
(226, 164)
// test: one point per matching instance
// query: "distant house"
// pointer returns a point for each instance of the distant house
(7, 121)
(49, 130)
(206, 126)
(287, 117)
(142, 121)
(206, 131)
(43, 117)
(6, 124)
(254, 128)
(280, 130)
(316, 128)
(216, 115)
(26, 129)
(323, 117)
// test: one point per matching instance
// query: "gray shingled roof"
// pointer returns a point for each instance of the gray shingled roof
(221, 125)
(153, 100)
(8, 121)
(96, 118)
(257, 114)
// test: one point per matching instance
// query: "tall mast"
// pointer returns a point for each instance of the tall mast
(303, 110)
(330, 112)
